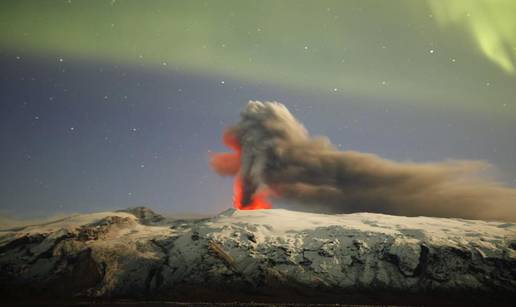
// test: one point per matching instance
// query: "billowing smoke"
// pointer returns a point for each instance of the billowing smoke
(275, 153)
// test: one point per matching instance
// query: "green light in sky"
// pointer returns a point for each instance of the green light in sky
(392, 50)
(491, 22)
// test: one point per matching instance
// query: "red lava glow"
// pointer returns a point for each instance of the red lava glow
(260, 198)
(259, 201)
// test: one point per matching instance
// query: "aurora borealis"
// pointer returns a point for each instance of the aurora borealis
(410, 80)
(491, 23)
(411, 49)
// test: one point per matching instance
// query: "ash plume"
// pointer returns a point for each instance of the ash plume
(274, 151)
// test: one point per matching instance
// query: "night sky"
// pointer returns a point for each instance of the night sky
(114, 104)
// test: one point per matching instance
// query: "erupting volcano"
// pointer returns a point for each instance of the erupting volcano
(258, 201)
(229, 164)
(274, 155)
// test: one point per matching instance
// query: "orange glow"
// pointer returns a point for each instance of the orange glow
(231, 141)
(259, 200)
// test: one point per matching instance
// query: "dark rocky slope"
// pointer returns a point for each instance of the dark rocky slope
(268, 255)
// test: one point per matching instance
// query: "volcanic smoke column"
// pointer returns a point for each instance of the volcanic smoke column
(275, 155)
(246, 195)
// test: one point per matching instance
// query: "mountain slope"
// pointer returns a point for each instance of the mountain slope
(269, 255)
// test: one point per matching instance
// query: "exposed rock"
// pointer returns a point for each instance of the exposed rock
(99, 229)
(266, 254)
(407, 254)
(145, 215)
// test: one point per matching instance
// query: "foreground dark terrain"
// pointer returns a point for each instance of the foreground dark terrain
(136, 257)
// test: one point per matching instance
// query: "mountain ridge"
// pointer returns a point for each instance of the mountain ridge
(260, 255)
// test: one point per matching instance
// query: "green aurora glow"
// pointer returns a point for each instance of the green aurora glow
(458, 54)
(492, 24)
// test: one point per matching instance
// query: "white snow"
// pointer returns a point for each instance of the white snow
(338, 251)
(280, 222)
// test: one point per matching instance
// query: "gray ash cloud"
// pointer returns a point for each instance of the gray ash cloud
(277, 152)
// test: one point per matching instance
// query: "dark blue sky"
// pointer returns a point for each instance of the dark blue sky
(110, 104)
(82, 135)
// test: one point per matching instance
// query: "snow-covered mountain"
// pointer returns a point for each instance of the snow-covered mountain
(268, 255)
